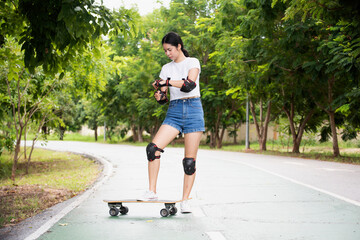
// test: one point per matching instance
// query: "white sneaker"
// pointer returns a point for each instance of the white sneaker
(185, 207)
(149, 196)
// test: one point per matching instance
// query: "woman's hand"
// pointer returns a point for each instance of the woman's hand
(161, 97)
(157, 95)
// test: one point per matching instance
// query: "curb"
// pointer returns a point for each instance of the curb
(65, 207)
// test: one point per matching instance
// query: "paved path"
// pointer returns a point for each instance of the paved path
(236, 196)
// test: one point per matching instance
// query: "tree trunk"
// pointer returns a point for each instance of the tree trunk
(215, 134)
(16, 158)
(296, 145)
(262, 128)
(135, 133)
(25, 155)
(44, 130)
(220, 138)
(235, 140)
(108, 133)
(62, 132)
(212, 139)
(297, 135)
(96, 133)
(334, 134)
(262, 143)
(41, 125)
(152, 132)
(331, 113)
(30, 154)
(140, 136)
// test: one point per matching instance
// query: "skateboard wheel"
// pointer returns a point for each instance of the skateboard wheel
(164, 212)
(173, 211)
(124, 210)
(114, 211)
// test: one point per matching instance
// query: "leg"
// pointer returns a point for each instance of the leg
(192, 141)
(162, 138)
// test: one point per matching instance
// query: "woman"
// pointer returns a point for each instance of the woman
(185, 114)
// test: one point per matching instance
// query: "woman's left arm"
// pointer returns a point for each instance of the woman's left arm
(192, 75)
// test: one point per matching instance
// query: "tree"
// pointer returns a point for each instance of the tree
(51, 36)
(335, 69)
(26, 92)
(271, 53)
(242, 52)
(57, 31)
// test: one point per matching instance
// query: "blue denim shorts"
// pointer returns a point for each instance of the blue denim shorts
(186, 115)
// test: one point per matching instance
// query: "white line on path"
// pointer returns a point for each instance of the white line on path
(295, 163)
(298, 182)
(216, 235)
(198, 212)
(336, 170)
(106, 173)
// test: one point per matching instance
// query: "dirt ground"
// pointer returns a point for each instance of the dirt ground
(21, 202)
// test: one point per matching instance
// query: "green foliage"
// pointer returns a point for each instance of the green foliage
(6, 143)
(285, 52)
(50, 57)
(57, 31)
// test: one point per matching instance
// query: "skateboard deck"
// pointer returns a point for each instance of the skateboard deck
(116, 206)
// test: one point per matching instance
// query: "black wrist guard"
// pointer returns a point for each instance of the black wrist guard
(163, 98)
(166, 84)
(188, 85)
(157, 82)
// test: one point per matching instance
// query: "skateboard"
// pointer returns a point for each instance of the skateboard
(116, 206)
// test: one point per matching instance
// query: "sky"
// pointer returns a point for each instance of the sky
(144, 6)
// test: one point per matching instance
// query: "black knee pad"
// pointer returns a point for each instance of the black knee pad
(151, 149)
(189, 166)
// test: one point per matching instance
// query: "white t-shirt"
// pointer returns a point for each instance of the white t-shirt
(178, 71)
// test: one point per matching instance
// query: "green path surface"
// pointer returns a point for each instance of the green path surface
(236, 196)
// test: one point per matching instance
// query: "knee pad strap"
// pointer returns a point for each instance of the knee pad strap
(189, 166)
(151, 149)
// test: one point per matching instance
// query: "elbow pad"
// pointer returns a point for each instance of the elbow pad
(188, 85)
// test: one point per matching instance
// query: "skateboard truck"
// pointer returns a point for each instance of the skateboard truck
(169, 209)
(116, 208)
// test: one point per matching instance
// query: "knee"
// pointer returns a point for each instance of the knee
(189, 166)
(151, 149)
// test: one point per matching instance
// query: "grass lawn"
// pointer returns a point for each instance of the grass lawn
(350, 153)
(53, 177)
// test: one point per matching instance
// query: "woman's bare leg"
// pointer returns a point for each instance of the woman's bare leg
(192, 141)
(162, 138)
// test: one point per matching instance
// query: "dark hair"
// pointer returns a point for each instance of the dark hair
(174, 39)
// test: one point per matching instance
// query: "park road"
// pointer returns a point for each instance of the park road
(236, 196)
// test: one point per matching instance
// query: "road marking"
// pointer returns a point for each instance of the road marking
(198, 212)
(299, 183)
(296, 163)
(336, 170)
(216, 235)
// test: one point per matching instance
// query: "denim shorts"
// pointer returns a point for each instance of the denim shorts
(186, 115)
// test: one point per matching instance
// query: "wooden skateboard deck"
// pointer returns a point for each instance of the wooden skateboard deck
(116, 206)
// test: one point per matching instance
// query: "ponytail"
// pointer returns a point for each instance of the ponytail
(174, 39)
(186, 53)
